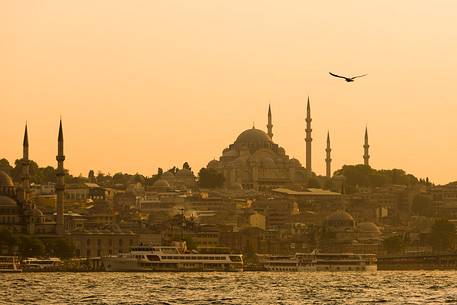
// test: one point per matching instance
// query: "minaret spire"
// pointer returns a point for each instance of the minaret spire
(328, 158)
(270, 123)
(308, 138)
(25, 165)
(60, 186)
(366, 155)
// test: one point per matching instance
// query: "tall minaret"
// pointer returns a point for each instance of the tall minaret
(328, 158)
(25, 166)
(270, 123)
(60, 186)
(366, 155)
(308, 138)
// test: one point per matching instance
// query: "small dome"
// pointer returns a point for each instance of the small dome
(340, 215)
(161, 183)
(294, 162)
(167, 176)
(230, 153)
(7, 201)
(368, 227)
(213, 164)
(238, 162)
(184, 173)
(268, 162)
(253, 135)
(5, 180)
(236, 186)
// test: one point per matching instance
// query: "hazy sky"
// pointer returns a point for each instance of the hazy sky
(147, 84)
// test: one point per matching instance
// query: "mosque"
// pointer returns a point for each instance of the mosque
(255, 161)
(17, 212)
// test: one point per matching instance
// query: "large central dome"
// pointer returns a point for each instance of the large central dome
(5, 180)
(251, 136)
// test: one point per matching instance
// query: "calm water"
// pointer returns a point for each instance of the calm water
(410, 287)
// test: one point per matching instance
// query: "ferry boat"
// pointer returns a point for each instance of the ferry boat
(172, 259)
(9, 264)
(316, 261)
(42, 264)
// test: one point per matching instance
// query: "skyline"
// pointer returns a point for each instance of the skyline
(129, 86)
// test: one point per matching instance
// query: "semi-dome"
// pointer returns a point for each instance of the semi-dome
(7, 201)
(184, 173)
(340, 215)
(161, 183)
(5, 180)
(213, 164)
(268, 162)
(167, 176)
(368, 227)
(253, 135)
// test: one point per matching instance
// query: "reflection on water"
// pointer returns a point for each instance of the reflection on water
(409, 287)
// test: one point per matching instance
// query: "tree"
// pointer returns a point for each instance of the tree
(186, 166)
(210, 178)
(60, 247)
(394, 244)
(5, 166)
(7, 241)
(30, 246)
(313, 183)
(91, 176)
(442, 236)
(422, 206)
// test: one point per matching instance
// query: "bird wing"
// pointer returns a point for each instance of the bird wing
(336, 75)
(359, 76)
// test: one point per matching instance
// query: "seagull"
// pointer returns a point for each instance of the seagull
(348, 79)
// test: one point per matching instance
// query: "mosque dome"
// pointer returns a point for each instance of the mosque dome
(168, 176)
(182, 173)
(253, 135)
(268, 162)
(5, 180)
(340, 216)
(368, 227)
(213, 164)
(161, 183)
(294, 162)
(230, 153)
(7, 202)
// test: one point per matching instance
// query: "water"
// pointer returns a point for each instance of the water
(386, 287)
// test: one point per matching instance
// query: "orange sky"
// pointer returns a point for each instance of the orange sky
(143, 84)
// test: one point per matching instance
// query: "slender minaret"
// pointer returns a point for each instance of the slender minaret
(25, 166)
(270, 123)
(328, 158)
(366, 155)
(60, 186)
(308, 138)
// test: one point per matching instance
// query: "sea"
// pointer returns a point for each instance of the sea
(382, 287)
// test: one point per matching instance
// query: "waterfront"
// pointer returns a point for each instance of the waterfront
(388, 287)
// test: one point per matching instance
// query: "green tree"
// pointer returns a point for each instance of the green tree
(8, 241)
(393, 244)
(422, 206)
(442, 236)
(313, 183)
(60, 247)
(5, 166)
(30, 246)
(210, 178)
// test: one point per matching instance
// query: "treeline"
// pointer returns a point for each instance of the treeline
(31, 246)
(362, 175)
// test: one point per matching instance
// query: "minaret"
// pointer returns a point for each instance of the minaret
(25, 166)
(366, 156)
(308, 138)
(60, 186)
(270, 123)
(328, 158)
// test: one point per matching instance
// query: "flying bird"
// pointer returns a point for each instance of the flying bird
(348, 79)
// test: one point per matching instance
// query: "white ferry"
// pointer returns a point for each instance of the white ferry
(42, 264)
(172, 259)
(316, 261)
(9, 264)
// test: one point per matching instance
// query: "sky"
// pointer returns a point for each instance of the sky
(148, 84)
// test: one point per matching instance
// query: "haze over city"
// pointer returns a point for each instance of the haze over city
(144, 84)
